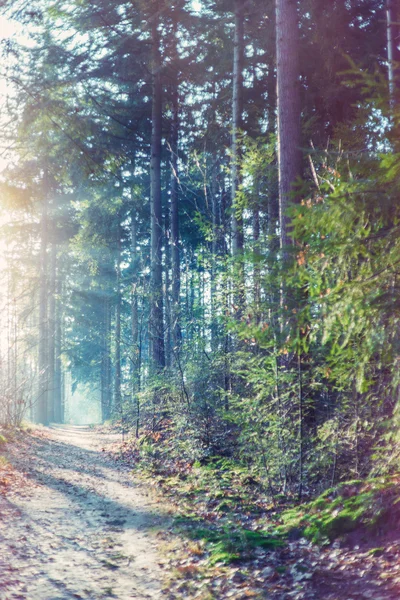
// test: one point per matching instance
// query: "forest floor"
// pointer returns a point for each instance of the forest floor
(74, 523)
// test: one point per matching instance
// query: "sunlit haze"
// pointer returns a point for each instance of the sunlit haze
(200, 299)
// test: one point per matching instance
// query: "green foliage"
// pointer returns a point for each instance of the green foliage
(369, 506)
(284, 371)
(231, 545)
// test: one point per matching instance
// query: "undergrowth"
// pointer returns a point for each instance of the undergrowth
(371, 506)
(219, 502)
(222, 503)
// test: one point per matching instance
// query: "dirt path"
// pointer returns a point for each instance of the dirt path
(80, 529)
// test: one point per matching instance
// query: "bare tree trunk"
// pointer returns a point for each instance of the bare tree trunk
(117, 333)
(58, 392)
(168, 309)
(156, 308)
(106, 362)
(134, 302)
(215, 194)
(136, 340)
(215, 244)
(256, 210)
(256, 268)
(393, 53)
(175, 251)
(289, 127)
(42, 408)
(52, 332)
(237, 114)
(15, 394)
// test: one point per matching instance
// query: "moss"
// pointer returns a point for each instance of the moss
(342, 509)
(281, 570)
(257, 539)
(230, 545)
(3, 440)
(220, 555)
(376, 551)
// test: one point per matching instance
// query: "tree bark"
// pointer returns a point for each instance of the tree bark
(134, 302)
(393, 52)
(156, 307)
(52, 332)
(175, 250)
(42, 407)
(106, 362)
(117, 333)
(216, 225)
(257, 257)
(168, 307)
(215, 244)
(288, 104)
(58, 384)
(237, 115)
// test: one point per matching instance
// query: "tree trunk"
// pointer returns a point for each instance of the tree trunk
(175, 253)
(288, 100)
(42, 407)
(134, 303)
(168, 316)
(257, 257)
(136, 342)
(117, 333)
(215, 245)
(52, 332)
(237, 113)
(393, 53)
(106, 362)
(156, 308)
(58, 384)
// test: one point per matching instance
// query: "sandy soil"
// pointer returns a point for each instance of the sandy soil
(80, 528)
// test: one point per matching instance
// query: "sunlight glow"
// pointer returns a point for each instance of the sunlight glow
(196, 5)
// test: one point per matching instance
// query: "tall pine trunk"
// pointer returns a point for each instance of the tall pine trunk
(257, 257)
(156, 300)
(215, 245)
(175, 253)
(288, 104)
(237, 115)
(393, 54)
(168, 308)
(42, 405)
(289, 166)
(52, 332)
(105, 374)
(58, 332)
(117, 331)
(134, 302)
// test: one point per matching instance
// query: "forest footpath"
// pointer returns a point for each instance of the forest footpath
(72, 522)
